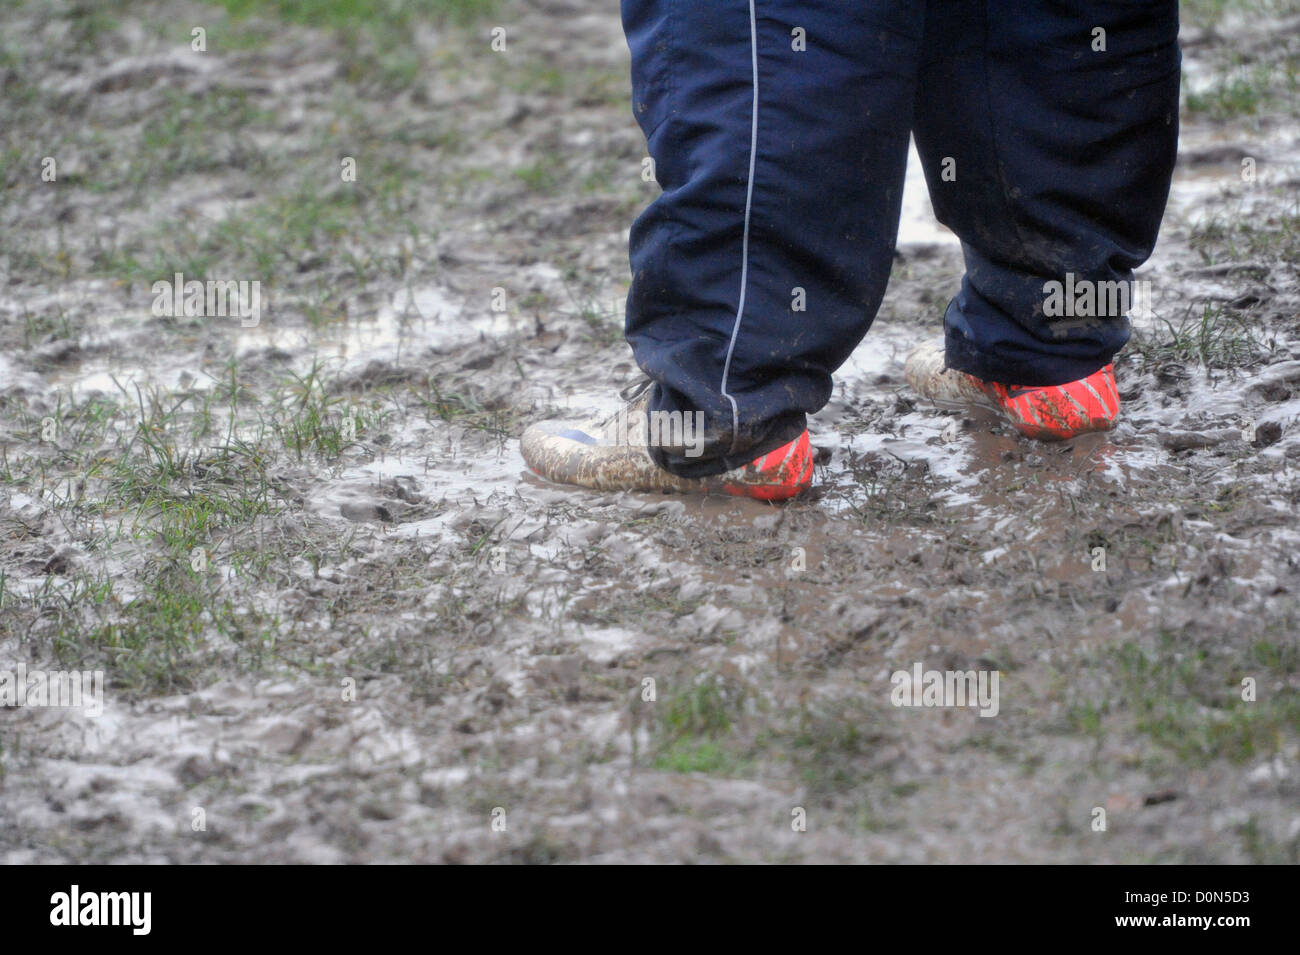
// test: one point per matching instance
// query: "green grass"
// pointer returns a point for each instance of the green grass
(1266, 80)
(342, 14)
(172, 474)
(541, 176)
(185, 464)
(379, 35)
(830, 749)
(315, 218)
(55, 323)
(695, 727)
(1241, 91)
(149, 646)
(1262, 849)
(307, 419)
(1210, 13)
(1207, 334)
(590, 86)
(293, 208)
(191, 133)
(602, 309)
(718, 726)
(1186, 698)
(1226, 238)
(90, 21)
(830, 746)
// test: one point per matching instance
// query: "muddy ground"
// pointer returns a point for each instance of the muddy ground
(340, 623)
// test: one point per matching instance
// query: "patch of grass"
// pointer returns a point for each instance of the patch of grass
(1188, 700)
(695, 726)
(604, 312)
(590, 86)
(1262, 849)
(305, 225)
(308, 419)
(89, 21)
(1208, 334)
(136, 467)
(1238, 236)
(1209, 13)
(1242, 91)
(693, 756)
(541, 175)
(381, 38)
(1264, 78)
(1086, 719)
(833, 748)
(894, 491)
(195, 132)
(149, 645)
(53, 324)
(159, 475)
(342, 14)
(832, 745)
(142, 467)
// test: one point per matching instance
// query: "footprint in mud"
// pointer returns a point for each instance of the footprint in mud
(365, 511)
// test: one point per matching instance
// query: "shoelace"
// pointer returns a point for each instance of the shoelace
(627, 395)
(636, 389)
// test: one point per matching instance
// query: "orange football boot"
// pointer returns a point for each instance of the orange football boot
(1045, 412)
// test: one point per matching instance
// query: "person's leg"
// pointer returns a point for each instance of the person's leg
(779, 132)
(1048, 132)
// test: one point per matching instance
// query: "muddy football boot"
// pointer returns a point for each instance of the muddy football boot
(1047, 412)
(612, 454)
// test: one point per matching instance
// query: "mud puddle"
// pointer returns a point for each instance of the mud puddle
(402, 631)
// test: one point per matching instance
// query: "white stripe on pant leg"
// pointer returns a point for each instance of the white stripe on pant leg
(749, 204)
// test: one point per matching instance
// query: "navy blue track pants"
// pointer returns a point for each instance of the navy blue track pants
(779, 132)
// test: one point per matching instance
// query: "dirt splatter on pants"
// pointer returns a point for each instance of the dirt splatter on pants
(779, 131)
